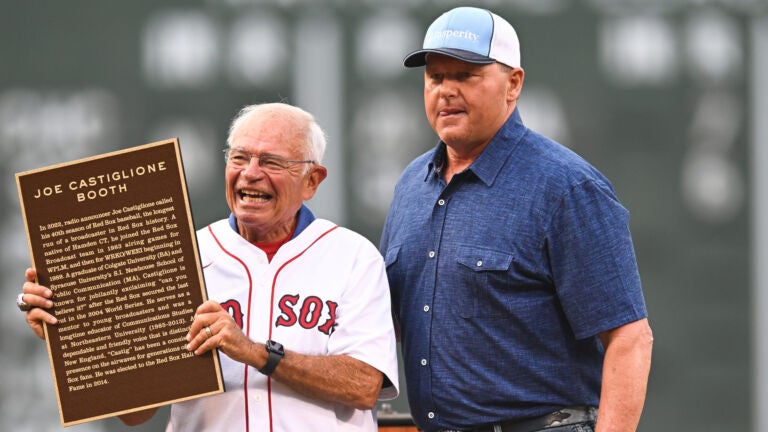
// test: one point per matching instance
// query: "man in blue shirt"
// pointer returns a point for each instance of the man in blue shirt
(513, 275)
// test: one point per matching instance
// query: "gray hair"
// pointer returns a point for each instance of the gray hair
(314, 148)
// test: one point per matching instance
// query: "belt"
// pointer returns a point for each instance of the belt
(562, 417)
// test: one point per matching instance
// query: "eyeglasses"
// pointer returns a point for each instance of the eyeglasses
(240, 158)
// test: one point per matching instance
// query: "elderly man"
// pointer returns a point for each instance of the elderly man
(511, 265)
(271, 253)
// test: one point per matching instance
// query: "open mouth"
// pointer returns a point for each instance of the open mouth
(251, 195)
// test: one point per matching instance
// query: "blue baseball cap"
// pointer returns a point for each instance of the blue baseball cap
(470, 34)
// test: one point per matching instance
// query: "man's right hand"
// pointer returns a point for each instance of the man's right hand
(39, 297)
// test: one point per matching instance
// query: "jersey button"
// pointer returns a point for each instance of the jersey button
(430, 415)
(426, 308)
(441, 202)
(431, 254)
(423, 362)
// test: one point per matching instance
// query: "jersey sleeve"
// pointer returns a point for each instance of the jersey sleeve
(364, 328)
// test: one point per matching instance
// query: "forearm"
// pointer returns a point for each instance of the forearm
(337, 378)
(626, 367)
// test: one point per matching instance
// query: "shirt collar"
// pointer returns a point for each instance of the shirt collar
(490, 161)
(305, 218)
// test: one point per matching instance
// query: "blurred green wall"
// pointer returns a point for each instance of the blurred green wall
(655, 94)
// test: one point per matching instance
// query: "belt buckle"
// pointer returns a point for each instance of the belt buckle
(571, 415)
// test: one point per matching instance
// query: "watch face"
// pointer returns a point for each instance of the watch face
(275, 346)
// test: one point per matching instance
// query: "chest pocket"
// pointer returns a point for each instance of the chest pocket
(482, 276)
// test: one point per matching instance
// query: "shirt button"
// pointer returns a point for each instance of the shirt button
(480, 263)
(430, 415)
(441, 202)
(423, 362)
(431, 254)
(426, 308)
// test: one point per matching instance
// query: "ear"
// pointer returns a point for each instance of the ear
(516, 78)
(312, 180)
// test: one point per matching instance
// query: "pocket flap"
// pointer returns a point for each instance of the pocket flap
(479, 259)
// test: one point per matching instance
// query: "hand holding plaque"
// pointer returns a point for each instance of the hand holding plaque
(112, 242)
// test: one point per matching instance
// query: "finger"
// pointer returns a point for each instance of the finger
(37, 298)
(215, 337)
(205, 340)
(30, 275)
(209, 306)
(36, 317)
(35, 294)
(198, 322)
(206, 314)
(37, 328)
(35, 289)
(197, 334)
(41, 315)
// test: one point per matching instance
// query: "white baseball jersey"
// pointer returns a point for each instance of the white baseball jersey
(325, 292)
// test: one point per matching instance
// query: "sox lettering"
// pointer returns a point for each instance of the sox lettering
(233, 307)
(309, 314)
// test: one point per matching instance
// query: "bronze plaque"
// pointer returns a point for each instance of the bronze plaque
(112, 236)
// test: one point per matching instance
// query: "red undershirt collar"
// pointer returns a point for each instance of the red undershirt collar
(271, 248)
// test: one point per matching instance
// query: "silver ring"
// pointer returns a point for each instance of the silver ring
(208, 331)
(23, 306)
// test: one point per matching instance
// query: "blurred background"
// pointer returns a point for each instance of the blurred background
(666, 97)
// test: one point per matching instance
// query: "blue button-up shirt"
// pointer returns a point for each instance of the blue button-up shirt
(502, 279)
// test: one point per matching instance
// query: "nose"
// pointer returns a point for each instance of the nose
(253, 169)
(448, 88)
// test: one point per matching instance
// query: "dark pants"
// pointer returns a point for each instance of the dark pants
(579, 427)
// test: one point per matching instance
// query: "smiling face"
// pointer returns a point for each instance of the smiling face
(467, 103)
(266, 203)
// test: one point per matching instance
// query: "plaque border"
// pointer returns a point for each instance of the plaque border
(191, 236)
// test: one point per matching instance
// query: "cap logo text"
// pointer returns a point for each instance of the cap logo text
(463, 34)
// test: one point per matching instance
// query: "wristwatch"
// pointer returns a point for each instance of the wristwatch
(276, 353)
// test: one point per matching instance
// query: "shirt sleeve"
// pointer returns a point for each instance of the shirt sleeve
(593, 260)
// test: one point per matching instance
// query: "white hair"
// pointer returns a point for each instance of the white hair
(314, 148)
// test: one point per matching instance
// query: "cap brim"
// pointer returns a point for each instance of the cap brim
(419, 58)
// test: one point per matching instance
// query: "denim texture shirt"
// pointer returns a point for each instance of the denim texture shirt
(502, 280)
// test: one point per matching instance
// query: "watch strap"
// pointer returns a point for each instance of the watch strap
(276, 354)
